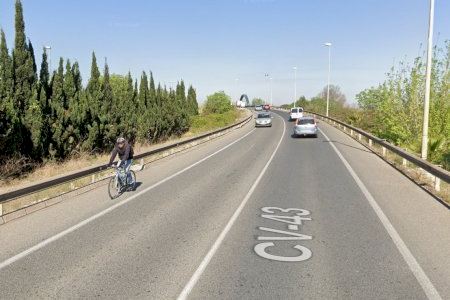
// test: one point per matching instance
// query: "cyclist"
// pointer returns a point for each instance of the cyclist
(125, 151)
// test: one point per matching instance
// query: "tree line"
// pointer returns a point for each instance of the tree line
(46, 114)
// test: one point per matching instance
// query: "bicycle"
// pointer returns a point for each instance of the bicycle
(120, 182)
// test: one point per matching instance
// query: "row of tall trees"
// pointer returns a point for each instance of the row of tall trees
(54, 115)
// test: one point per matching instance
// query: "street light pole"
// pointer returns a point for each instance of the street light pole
(426, 104)
(266, 76)
(295, 85)
(329, 72)
(271, 92)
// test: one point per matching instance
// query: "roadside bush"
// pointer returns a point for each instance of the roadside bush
(217, 103)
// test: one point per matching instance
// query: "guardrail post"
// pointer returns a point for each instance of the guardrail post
(359, 136)
(404, 162)
(351, 132)
(344, 128)
(93, 178)
(370, 142)
(437, 184)
(384, 151)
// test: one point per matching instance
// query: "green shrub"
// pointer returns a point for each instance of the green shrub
(217, 103)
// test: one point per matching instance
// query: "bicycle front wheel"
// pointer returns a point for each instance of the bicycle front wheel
(114, 188)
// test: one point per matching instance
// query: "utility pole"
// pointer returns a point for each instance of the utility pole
(329, 72)
(271, 91)
(426, 104)
(295, 85)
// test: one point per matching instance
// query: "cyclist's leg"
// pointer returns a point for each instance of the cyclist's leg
(128, 164)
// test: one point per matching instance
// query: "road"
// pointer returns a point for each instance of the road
(255, 214)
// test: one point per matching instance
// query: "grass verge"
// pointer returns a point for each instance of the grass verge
(208, 122)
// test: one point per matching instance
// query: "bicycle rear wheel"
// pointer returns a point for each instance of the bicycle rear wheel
(114, 188)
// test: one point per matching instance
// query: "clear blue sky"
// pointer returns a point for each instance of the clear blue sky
(210, 43)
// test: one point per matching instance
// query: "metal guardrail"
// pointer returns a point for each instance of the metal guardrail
(425, 165)
(37, 187)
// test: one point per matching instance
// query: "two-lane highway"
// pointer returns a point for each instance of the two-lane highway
(255, 214)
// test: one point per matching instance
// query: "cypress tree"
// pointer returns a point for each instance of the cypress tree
(78, 109)
(58, 106)
(152, 92)
(34, 122)
(33, 59)
(44, 75)
(9, 114)
(22, 62)
(93, 98)
(130, 111)
(167, 117)
(24, 77)
(144, 123)
(192, 101)
(108, 112)
(143, 92)
(69, 136)
(182, 109)
(44, 95)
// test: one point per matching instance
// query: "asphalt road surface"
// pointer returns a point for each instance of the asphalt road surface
(255, 214)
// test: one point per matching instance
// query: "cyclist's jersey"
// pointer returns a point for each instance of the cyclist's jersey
(125, 153)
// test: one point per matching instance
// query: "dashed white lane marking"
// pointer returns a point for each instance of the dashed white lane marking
(109, 209)
(416, 269)
(201, 268)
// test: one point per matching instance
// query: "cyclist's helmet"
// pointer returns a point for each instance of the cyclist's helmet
(120, 142)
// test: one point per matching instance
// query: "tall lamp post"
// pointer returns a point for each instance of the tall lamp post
(267, 77)
(426, 104)
(295, 85)
(271, 91)
(329, 73)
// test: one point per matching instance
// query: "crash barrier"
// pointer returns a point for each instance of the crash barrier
(35, 194)
(435, 173)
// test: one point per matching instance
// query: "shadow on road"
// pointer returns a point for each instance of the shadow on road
(137, 185)
(307, 137)
(344, 144)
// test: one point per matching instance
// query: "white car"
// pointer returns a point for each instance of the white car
(296, 113)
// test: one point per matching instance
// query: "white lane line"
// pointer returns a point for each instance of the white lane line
(109, 209)
(413, 265)
(201, 268)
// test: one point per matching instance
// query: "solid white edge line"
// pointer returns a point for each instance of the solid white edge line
(413, 265)
(56, 237)
(201, 268)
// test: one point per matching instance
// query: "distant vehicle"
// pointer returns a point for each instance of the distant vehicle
(258, 107)
(296, 112)
(305, 126)
(266, 107)
(263, 120)
(241, 104)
